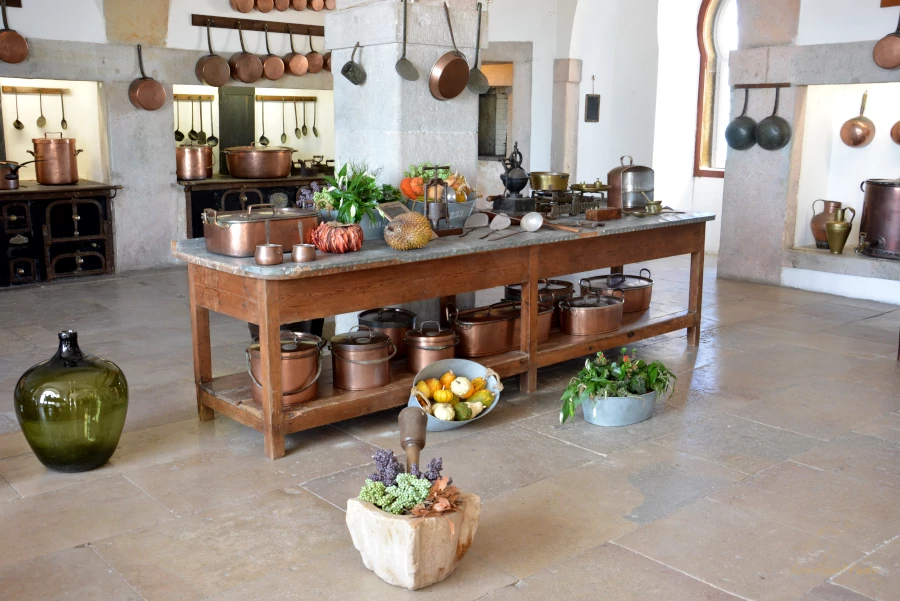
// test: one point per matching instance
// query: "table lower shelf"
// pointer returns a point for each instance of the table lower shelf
(230, 395)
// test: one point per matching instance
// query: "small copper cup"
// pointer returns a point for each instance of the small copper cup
(303, 253)
(269, 254)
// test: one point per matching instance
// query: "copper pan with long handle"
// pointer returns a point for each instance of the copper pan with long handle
(450, 73)
(212, 69)
(13, 47)
(146, 93)
(887, 51)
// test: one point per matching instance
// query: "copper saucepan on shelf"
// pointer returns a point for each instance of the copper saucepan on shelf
(638, 289)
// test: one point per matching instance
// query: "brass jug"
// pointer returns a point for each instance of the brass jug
(817, 223)
(838, 231)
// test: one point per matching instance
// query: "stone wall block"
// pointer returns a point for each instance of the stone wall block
(748, 66)
(767, 22)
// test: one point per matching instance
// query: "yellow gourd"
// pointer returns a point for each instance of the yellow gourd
(479, 384)
(422, 387)
(447, 379)
(485, 397)
(433, 385)
(444, 396)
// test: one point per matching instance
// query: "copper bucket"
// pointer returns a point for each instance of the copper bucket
(361, 359)
(427, 345)
(301, 366)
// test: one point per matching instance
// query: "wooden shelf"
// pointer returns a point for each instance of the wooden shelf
(45, 91)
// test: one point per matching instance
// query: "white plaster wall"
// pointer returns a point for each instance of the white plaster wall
(832, 170)
(82, 117)
(71, 20)
(616, 39)
(836, 21)
(309, 145)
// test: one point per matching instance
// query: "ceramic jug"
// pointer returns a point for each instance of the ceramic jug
(838, 230)
(817, 223)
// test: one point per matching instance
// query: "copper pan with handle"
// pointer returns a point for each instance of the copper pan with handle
(450, 73)
(212, 69)
(146, 93)
(13, 47)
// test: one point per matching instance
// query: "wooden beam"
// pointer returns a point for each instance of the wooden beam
(198, 97)
(884, 3)
(254, 25)
(47, 91)
(287, 99)
(761, 86)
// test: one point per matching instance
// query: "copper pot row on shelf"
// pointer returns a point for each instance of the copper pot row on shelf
(265, 6)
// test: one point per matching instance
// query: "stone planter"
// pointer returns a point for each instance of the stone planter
(619, 411)
(408, 551)
(371, 230)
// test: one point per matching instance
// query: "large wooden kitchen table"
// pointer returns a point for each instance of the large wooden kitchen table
(378, 276)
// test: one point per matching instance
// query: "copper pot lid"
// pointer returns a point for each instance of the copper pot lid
(264, 213)
(59, 140)
(617, 280)
(360, 339)
(193, 145)
(496, 313)
(295, 345)
(891, 183)
(387, 318)
(243, 149)
(592, 301)
(430, 333)
(554, 286)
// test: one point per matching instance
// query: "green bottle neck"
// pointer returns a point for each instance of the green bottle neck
(68, 345)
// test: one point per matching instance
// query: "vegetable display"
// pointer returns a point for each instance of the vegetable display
(601, 378)
(417, 493)
(453, 398)
(414, 178)
(334, 237)
(354, 193)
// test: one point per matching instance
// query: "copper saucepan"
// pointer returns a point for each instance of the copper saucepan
(273, 66)
(13, 47)
(146, 93)
(212, 69)
(243, 6)
(294, 62)
(316, 61)
(450, 73)
(245, 67)
(887, 51)
(859, 131)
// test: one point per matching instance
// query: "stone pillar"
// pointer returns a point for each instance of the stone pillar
(566, 98)
(767, 23)
(388, 122)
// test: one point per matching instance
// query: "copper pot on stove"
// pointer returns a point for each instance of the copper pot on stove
(194, 162)
(56, 160)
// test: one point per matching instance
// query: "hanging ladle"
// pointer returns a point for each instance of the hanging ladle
(741, 133)
(858, 132)
(404, 67)
(201, 135)
(305, 130)
(478, 81)
(315, 114)
(41, 121)
(773, 132)
(62, 105)
(178, 135)
(18, 124)
(212, 140)
(297, 131)
(283, 124)
(263, 140)
(193, 133)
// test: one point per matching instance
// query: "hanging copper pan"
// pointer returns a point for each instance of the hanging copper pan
(212, 69)
(243, 6)
(273, 66)
(294, 62)
(327, 59)
(298, 4)
(146, 93)
(887, 51)
(450, 73)
(245, 67)
(265, 6)
(316, 61)
(282, 5)
(13, 47)
(895, 132)
(317, 5)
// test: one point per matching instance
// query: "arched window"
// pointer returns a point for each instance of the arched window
(717, 36)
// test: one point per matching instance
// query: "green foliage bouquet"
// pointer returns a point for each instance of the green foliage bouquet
(354, 193)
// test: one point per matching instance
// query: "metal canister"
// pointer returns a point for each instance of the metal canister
(301, 366)
(879, 227)
(429, 344)
(631, 186)
(193, 161)
(56, 160)
(637, 288)
(393, 322)
(550, 292)
(361, 359)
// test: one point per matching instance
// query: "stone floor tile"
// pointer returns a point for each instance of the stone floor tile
(886, 427)
(234, 473)
(696, 405)
(736, 383)
(882, 375)
(679, 357)
(774, 294)
(831, 592)
(204, 554)
(12, 444)
(749, 308)
(791, 321)
(739, 551)
(71, 574)
(338, 487)
(75, 515)
(571, 512)
(869, 331)
(165, 403)
(737, 443)
(136, 450)
(611, 573)
(841, 312)
(834, 507)
(877, 575)
(865, 458)
(822, 409)
(342, 576)
(7, 492)
(797, 362)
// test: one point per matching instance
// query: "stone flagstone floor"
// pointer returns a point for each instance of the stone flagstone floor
(772, 473)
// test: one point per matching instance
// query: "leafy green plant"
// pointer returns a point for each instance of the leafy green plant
(354, 193)
(390, 194)
(601, 378)
(424, 171)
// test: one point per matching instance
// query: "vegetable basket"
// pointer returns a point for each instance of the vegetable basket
(460, 367)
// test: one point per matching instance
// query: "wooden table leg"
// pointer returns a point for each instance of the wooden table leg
(695, 296)
(528, 320)
(270, 368)
(200, 342)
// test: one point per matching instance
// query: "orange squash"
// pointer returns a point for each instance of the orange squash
(406, 188)
(417, 185)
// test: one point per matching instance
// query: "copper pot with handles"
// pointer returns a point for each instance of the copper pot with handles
(361, 359)
(238, 233)
(638, 289)
(301, 366)
(56, 159)
(194, 161)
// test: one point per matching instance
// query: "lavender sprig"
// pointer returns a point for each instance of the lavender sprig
(387, 466)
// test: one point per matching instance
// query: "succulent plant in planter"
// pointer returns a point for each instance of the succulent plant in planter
(616, 392)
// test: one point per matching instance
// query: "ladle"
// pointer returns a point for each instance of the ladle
(498, 224)
(201, 135)
(404, 67)
(305, 130)
(315, 114)
(283, 124)
(773, 132)
(63, 124)
(18, 124)
(473, 222)
(263, 140)
(41, 121)
(297, 131)
(178, 135)
(193, 133)
(212, 140)
(741, 133)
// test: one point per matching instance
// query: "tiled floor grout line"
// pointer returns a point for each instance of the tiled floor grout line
(653, 441)
(160, 503)
(115, 571)
(744, 417)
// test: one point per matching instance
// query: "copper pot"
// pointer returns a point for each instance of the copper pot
(9, 174)
(886, 53)
(273, 66)
(817, 223)
(243, 6)
(145, 92)
(495, 329)
(245, 67)
(395, 323)
(859, 131)
(259, 162)
(637, 288)
(315, 60)
(879, 226)
(265, 6)
(631, 186)
(294, 62)
(427, 345)
(592, 314)
(550, 292)
(450, 74)
(301, 366)
(55, 158)
(13, 47)
(193, 161)
(238, 233)
(212, 69)
(361, 359)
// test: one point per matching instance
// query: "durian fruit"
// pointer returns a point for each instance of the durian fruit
(409, 231)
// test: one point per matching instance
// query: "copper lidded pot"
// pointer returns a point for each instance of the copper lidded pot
(879, 226)
(496, 329)
(592, 314)
(393, 322)
(361, 359)
(301, 366)
(56, 160)
(550, 292)
(259, 162)
(631, 186)
(193, 161)
(429, 344)
(637, 288)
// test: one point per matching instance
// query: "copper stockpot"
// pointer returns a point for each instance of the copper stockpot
(193, 161)
(550, 292)
(361, 359)
(393, 322)
(495, 329)
(238, 233)
(637, 288)
(592, 314)
(879, 226)
(301, 366)
(259, 162)
(56, 160)
(427, 345)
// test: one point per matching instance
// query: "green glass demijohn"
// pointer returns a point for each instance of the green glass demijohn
(72, 408)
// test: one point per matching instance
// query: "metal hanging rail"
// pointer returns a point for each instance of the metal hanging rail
(254, 25)
(287, 99)
(47, 91)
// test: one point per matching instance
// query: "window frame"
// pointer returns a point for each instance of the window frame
(706, 91)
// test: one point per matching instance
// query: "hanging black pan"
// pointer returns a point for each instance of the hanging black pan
(450, 73)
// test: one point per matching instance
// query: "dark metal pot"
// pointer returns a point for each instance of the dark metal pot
(879, 227)
(592, 314)
(301, 366)
(361, 359)
(429, 344)
(393, 322)
(637, 288)
(495, 329)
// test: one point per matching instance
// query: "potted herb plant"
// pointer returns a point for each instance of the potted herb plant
(353, 196)
(411, 529)
(616, 393)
